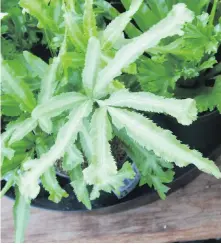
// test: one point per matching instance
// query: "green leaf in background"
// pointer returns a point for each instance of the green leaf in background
(89, 20)
(9, 106)
(50, 184)
(152, 11)
(21, 212)
(48, 15)
(19, 30)
(73, 59)
(156, 77)
(155, 172)
(19, 157)
(74, 25)
(8, 49)
(210, 98)
(182, 60)
(17, 88)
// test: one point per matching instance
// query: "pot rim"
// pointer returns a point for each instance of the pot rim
(138, 201)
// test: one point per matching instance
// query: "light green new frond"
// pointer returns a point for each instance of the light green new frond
(6, 151)
(45, 124)
(115, 29)
(21, 211)
(86, 141)
(22, 130)
(5, 136)
(37, 64)
(49, 81)
(183, 110)
(50, 184)
(72, 158)
(74, 29)
(106, 7)
(169, 26)
(92, 62)
(164, 144)
(48, 17)
(66, 136)
(79, 185)
(89, 20)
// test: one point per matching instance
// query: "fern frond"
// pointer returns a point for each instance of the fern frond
(22, 130)
(169, 26)
(49, 81)
(102, 172)
(17, 88)
(90, 70)
(50, 184)
(86, 141)
(74, 29)
(183, 110)
(89, 20)
(36, 64)
(66, 135)
(57, 105)
(72, 158)
(79, 185)
(164, 144)
(114, 30)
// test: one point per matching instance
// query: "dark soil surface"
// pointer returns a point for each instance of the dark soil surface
(118, 152)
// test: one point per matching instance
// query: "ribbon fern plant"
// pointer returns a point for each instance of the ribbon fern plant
(54, 119)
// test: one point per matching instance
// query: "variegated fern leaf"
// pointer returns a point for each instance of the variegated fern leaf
(68, 121)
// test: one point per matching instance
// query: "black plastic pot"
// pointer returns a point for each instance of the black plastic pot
(204, 135)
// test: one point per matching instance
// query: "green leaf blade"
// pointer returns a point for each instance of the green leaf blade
(50, 184)
(79, 185)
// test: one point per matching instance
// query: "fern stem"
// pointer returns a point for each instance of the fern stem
(213, 12)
